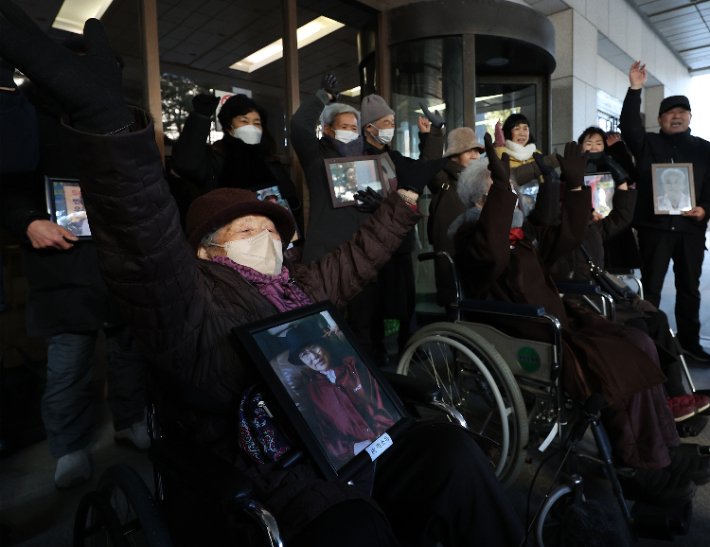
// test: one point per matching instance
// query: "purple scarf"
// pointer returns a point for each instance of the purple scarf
(279, 289)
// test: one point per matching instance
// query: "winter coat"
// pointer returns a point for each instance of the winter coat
(66, 292)
(327, 226)
(490, 267)
(648, 148)
(445, 206)
(349, 410)
(575, 265)
(229, 162)
(182, 308)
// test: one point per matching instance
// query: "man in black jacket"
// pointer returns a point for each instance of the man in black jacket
(665, 237)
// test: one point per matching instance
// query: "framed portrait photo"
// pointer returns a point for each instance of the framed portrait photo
(324, 388)
(273, 194)
(602, 187)
(65, 205)
(673, 188)
(346, 176)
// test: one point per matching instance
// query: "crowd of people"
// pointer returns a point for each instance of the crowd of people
(167, 295)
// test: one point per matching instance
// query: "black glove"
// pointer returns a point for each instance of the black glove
(573, 165)
(205, 104)
(329, 84)
(549, 174)
(87, 87)
(618, 173)
(7, 71)
(434, 117)
(368, 201)
(499, 167)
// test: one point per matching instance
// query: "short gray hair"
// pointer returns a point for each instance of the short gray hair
(332, 110)
(474, 182)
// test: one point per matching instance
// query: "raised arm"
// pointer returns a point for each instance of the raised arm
(632, 130)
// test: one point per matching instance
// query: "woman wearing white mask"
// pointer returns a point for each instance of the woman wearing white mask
(243, 158)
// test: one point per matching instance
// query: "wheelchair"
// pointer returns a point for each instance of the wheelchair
(499, 364)
(195, 492)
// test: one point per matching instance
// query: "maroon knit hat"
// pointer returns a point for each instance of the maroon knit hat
(214, 209)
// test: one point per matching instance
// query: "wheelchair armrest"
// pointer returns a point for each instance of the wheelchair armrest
(201, 471)
(508, 308)
(412, 389)
(579, 287)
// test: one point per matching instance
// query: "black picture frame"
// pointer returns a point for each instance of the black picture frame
(65, 205)
(352, 174)
(305, 399)
(673, 188)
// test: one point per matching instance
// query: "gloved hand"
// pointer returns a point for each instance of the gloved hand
(368, 201)
(6, 73)
(329, 84)
(205, 104)
(549, 174)
(87, 87)
(434, 117)
(499, 167)
(572, 165)
(618, 173)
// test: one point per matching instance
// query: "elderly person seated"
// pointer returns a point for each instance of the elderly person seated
(183, 298)
(501, 255)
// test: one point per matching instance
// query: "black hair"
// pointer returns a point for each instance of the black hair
(592, 130)
(238, 105)
(512, 121)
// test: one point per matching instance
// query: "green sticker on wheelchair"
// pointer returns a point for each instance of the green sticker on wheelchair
(528, 359)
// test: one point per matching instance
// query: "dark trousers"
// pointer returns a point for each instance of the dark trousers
(434, 485)
(687, 251)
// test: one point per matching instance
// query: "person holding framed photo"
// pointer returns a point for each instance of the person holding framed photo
(183, 299)
(664, 237)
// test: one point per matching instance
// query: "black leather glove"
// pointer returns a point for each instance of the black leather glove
(368, 201)
(329, 84)
(548, 172)
(573, 165)
(87, 87)
(618, 173)
(499, 167)
(7, 71)
(434, 117)
(205, 104)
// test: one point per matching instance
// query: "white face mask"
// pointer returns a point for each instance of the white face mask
(384, 136)
(345, 136)
(260, 252)
(250, 134)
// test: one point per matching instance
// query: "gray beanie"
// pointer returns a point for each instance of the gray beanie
(373, 108)
(329, 113)
(460, 140)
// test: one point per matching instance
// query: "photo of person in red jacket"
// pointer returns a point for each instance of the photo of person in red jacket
(345, 400)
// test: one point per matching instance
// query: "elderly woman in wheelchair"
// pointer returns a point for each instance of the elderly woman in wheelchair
(502, 255)
(184, 297)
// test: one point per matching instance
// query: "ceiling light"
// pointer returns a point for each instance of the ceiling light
(354, 92)
(74, 13)
(307, 34)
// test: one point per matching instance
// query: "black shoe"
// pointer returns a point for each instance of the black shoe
(697, 353)
(690, 461)
(656, 486)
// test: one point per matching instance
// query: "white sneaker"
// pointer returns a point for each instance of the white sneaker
(137, 435)
(72, 469)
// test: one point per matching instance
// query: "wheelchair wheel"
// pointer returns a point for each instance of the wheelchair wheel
(121, 512)
(474, 378)
(550, 531)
